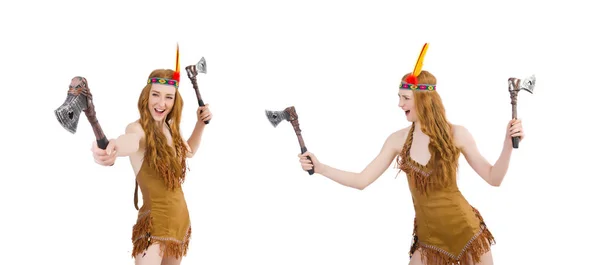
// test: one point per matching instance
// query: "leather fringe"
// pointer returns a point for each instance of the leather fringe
(173, 248)
(142, 239)
(417, 175)
(141, 234)
(473, 251)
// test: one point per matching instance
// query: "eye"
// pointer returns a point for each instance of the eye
(170, 97)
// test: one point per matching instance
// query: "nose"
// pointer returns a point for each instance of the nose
(162, 102)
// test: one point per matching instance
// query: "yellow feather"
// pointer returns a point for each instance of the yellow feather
(419, 64)
(177, 60)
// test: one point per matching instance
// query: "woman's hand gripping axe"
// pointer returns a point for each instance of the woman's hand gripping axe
(192, 72)
(79, 98)
(289, 114)
(514, 86)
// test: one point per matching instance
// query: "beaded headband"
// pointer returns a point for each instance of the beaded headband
(165, 81)
(412, 82)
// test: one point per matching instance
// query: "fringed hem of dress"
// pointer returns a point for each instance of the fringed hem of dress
(169, 247)
(479, 244)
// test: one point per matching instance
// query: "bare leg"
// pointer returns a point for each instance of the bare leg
(486, 259)
(416, 259)
(149, 257)
(171, 261)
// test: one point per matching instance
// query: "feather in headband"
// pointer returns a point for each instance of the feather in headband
(412, 81)
(176, 76)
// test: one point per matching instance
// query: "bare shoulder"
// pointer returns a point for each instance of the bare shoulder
(396, 139)
(461, 135)
(135, 127)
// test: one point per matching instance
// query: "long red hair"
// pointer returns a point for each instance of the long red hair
(170, 162)
(432, 117)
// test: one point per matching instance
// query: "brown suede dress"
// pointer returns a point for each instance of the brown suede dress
(447, 229)
(163, 218)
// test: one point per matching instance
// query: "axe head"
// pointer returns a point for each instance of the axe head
(276, 117)
(528, 84)
(68, 113)
(201, 66)
(516, 84)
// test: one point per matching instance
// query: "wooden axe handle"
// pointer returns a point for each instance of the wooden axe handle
(294, 120)
(100, 137)
(514, 92)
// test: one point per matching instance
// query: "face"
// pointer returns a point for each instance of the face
(407, 104)
(161, 100)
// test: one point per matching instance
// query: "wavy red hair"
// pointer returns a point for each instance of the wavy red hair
(432, 117)
(170, 162)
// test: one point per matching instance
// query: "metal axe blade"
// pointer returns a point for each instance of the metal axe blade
(276, 117)
(528, 84)
(76, 102)
(201, 66)
(68, 113)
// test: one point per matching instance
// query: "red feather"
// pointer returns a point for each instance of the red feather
(411, 79)
(176, 76)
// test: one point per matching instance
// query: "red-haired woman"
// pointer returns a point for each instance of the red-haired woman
(448, 230)
(158, 156)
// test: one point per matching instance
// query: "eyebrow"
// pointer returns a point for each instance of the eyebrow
(156, 91)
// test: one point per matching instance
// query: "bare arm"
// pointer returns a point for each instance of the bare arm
(193, 143)
(373, 171)
(130, 142)
(493, 175)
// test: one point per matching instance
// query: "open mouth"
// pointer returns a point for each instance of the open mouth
(159, 111)
(406, 112)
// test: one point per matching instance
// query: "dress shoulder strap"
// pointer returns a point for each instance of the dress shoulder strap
(135, 196)
(408, 141)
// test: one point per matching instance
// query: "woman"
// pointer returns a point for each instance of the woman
(447, 229)
(158, 156)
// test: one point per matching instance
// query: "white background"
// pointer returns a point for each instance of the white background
(339, 64)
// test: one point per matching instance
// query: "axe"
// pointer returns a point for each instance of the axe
(79, 98)
(192, 72)
(514, 86)
(289, 114)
